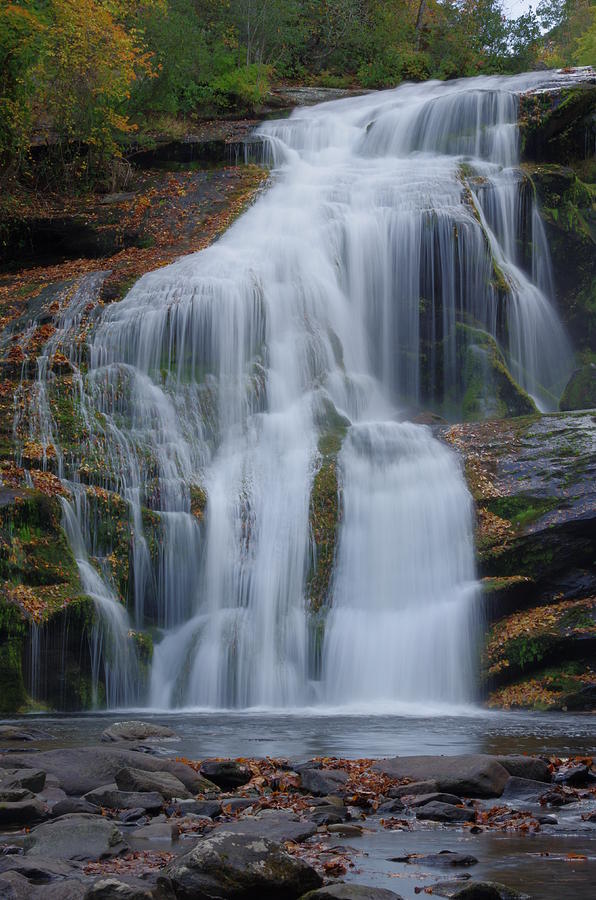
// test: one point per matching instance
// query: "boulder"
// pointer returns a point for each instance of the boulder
(110, 797)
(14, 887)
(139, 781)
(23, 812)
(472, 775)
(523, 789)
(437, 797)
(165, 832)
(76, 836)
(412, 789)
(329, 814)
(227, 774)
(574, 776)
(208, 808)
(70, 889)
(445, 812)
(73, 805)
(81, 769)
(476, 890)
(345, 829)
(580, 391)
(22, 735)
(236, 804)
(274, 824)
(137, 731)
(14, 795)
(443, 859)
(392, 806)
(113, 889)
(38, 869)
(238, 867)
(526, 767)
(320, 782)
(343, 891)
(30, 779)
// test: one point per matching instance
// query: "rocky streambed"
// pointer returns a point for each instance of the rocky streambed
(126, 817)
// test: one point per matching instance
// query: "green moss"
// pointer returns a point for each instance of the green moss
(198, 501)
(12, 635)
(580, 392)
(521, 509)
(324, 519)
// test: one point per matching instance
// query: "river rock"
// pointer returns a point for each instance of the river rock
(15, 795)
(473, 775)
(157, 831)
(164, 783)
(345, 829)
(525, 767)
(524, 789)
(237, 804)
(274, 824)
(22, 735)
(73, 805)
(574, 776)
(70, 889)
(476, 890)
(81, 769)
(114, 889)
(445, 858)
(14, 887)
(207, 808)
(437, 797)
(137, 731)
(39, 869)
(238, 867)
(320, 782)
(112, 798)
(23, 812)
(445, 812)
(227, 774)
(31, 779)
(412, 789)
(76, 836)
(342, 891)
(391, 806)
(329, 814)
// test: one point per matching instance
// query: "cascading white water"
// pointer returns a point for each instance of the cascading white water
(329, 305)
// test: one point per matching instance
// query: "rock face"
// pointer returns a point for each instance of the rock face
(238, 867)
(76, 836)
(534, 482)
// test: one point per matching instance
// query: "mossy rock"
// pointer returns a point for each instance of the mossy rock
(556, 126)
(569, 685)
(324, 518)
(580, 392)
(12, 636)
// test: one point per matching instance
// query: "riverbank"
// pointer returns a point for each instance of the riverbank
(133, 809)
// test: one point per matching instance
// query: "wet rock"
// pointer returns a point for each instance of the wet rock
(14, 887)
(157, 831)
(320, 782)
(391, 806)
(14, 795)
(22, 735)
(558, 797)
(31, 779)
(138, 781)
(227, 774)
(137, 731)
(38, 869)
(329, 814)
(82, 769)
(476, 890)
(469, 776)
(137, 815)
(114, 889)
(445, 858)
(274, 824)
(412, 789)
(76, 836)
(208, 808)
(112, 798)
(343, 891)
(574, 776)
(23, 812)
(525, 767)
(71, 889)
(238, 867)
(546, 819)
(445, 812)
(437, 797)
(345, 829)
(580, 391)
(236, 804)
(73, 805)
(524, 789)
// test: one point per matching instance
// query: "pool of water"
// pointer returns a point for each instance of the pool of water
(301, 735)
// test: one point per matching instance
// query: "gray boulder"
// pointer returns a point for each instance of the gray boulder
(14, 887)
(445, 812)
(164, 832)
(228, 866)
(10, 733)
(476, 890)
(76, 836)
(73, 805)
(423, 799)
(14, 795)
(114, 889)
(23, 812)
(344, 891)
(443, 859)
(328, 814)
(412, 789)
(208, 808)
(274, 824)
(525, 767)
(391, 806)
(110, 797)
(320, 782)
(137, 731)
(81, 769)
(227, 774)
(29, 779)
(524, 789)
(473, 775)
(38, 869)
(138, 781)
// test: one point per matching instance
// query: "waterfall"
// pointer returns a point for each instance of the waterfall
(330, 309)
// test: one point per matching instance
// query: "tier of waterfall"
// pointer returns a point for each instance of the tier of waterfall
(331, 307)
